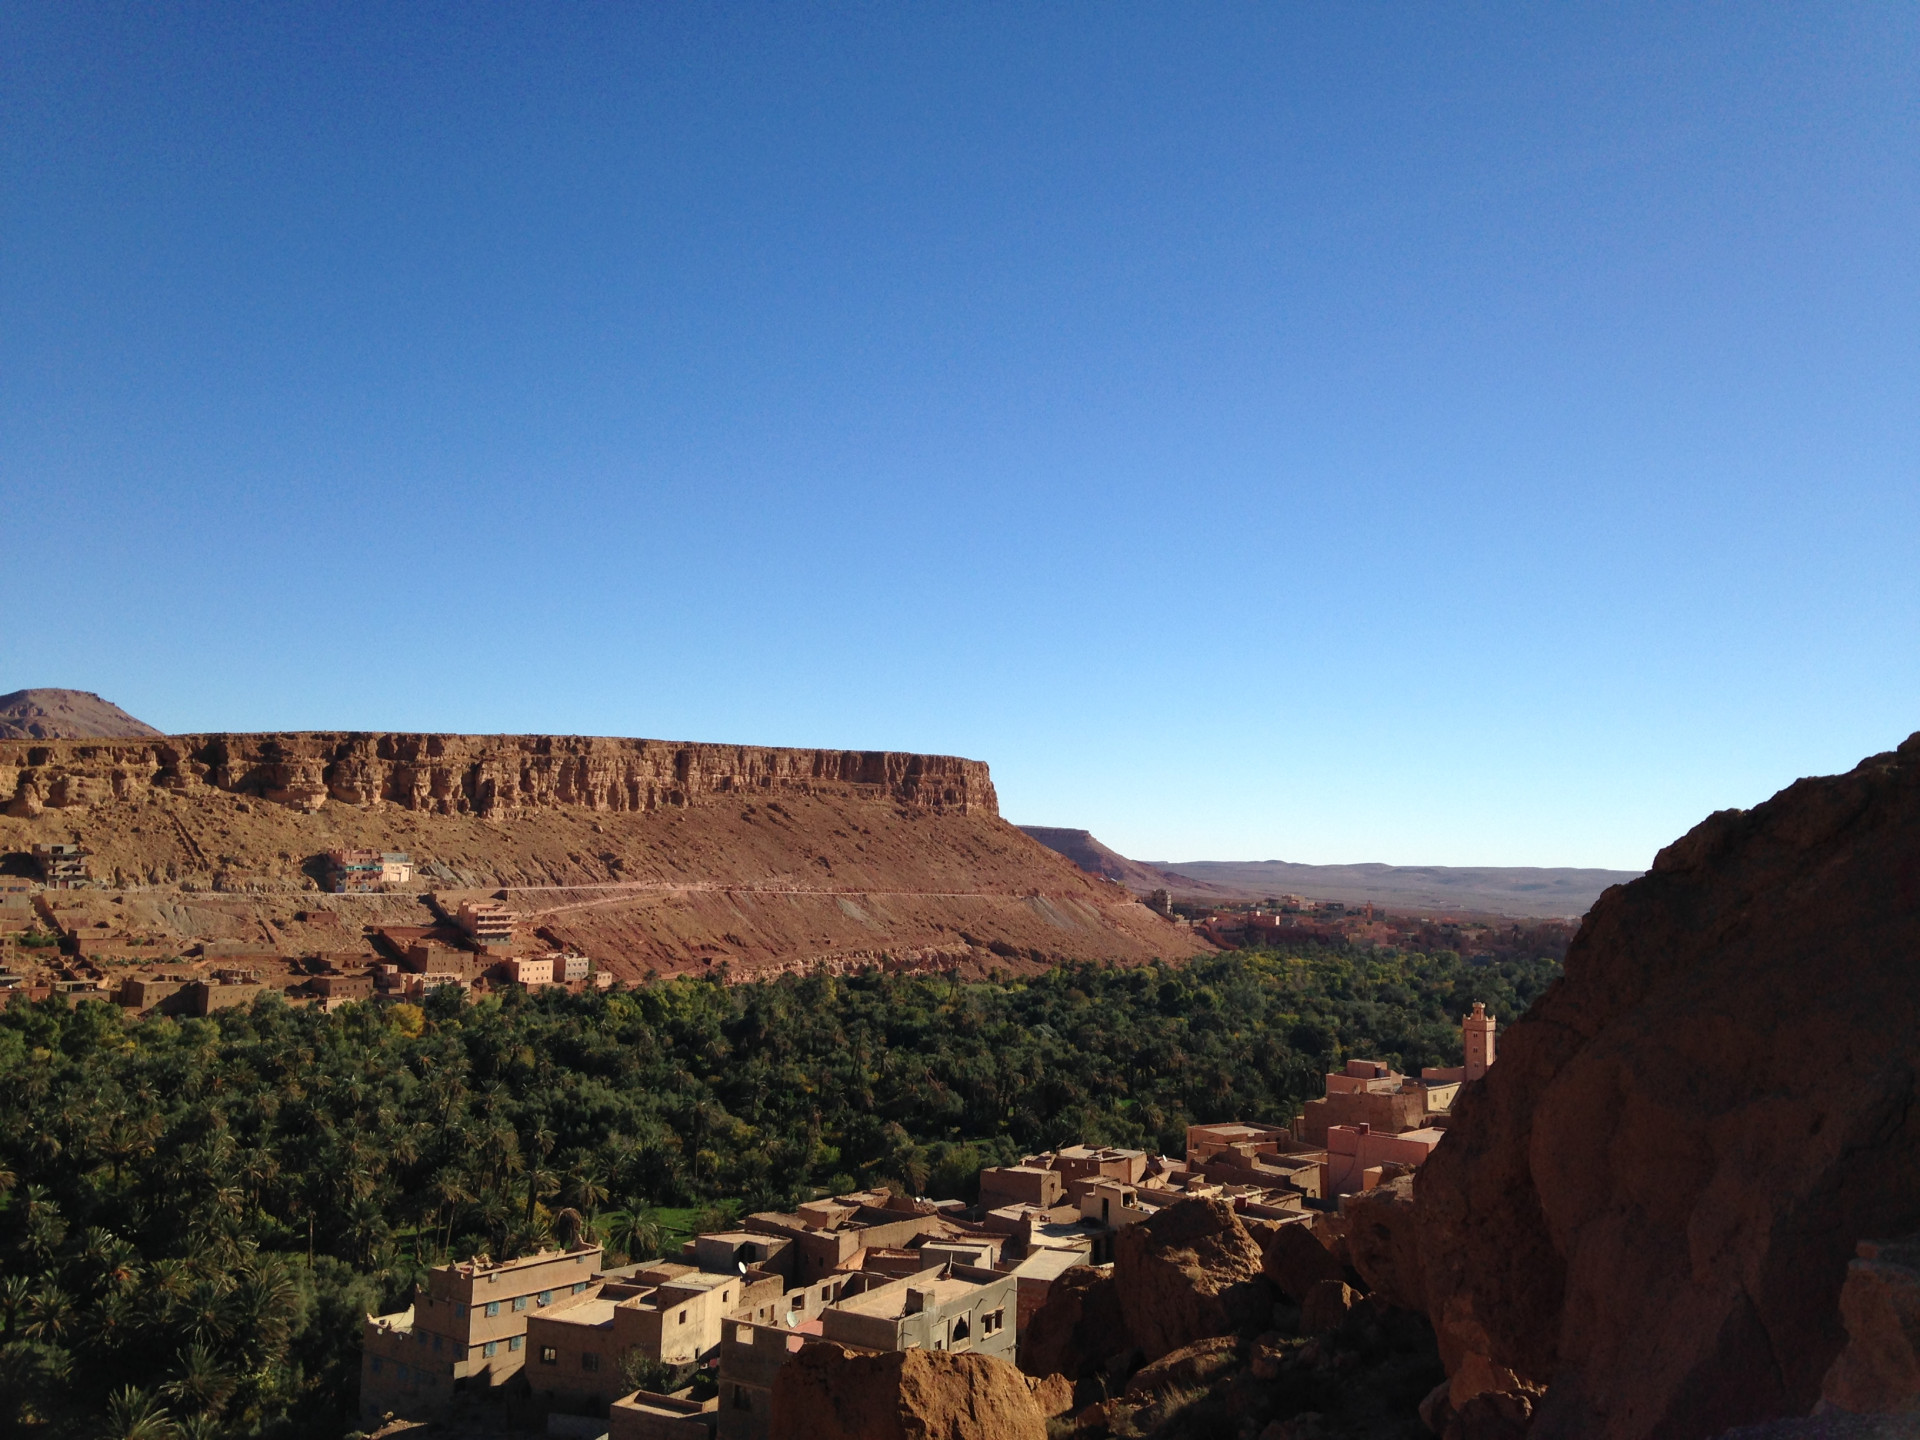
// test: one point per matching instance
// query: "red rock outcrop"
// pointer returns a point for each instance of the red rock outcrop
(1383, 1239)
(827, 1392)
(1189, 1272)
(1649, 1204)
(1078, 1327)
(1296, 1259)
(1189, 1367)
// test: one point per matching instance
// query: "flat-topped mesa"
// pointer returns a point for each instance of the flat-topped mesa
(485, 775)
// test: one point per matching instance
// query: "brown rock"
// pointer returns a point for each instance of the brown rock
(1052, 1393)
(1197, 1364)
(1326, 1307)
(1189, 1272)
(829, 1393)
(1492, 1415)
(1383, 1237)
(1077, 1329)
(1879, 1370)
(1296, 1259)
(1652, 1198)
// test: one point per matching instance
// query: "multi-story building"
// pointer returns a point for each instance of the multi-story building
(466, 1328)
(489, 922)
(62, 867)
(531, 970)
(947, 1307)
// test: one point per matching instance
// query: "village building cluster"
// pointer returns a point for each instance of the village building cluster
(872, 1271)
(62, 935)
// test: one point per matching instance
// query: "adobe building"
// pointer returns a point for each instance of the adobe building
(466, 1329)
(646, 1416)
(364, 872)
(531, 971)
(1358, 1157)
(490, 924)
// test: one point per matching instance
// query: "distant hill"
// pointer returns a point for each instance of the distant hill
(67, 715)
(1494, 889)
(1484, 889)
(1091, 856)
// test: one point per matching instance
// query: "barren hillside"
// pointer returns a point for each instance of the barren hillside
(645, 854)
(66, 715)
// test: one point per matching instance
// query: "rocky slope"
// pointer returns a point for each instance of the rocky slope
(66, 715)
(1090, 855)
(644, 853)
(1648, 1208)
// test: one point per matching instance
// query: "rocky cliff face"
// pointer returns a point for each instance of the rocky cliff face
(1649, 1205)
(643, 854)
(484, 775)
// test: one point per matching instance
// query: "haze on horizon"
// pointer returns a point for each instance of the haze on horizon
(1473, 435)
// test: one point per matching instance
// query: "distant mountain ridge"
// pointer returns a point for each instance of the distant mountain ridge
(51, 714)
(1519, 890)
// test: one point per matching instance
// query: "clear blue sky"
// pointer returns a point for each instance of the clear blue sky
(1416, 432)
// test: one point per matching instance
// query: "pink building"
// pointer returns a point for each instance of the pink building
(1356, 1155)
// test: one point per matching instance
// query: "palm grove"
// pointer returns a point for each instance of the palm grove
(197, 1213)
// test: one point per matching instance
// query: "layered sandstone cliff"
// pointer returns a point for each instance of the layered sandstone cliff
(1648, 1207)
(486, 775)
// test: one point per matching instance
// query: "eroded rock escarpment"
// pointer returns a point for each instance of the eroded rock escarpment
(474, 774)
(643, 854)
(1648, 1207)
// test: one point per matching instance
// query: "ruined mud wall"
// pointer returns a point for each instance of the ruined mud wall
(484, 775)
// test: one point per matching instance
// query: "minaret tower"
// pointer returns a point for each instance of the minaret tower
(1476, 1030)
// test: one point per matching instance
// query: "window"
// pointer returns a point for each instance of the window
(376, 1364)
(460, 1311)
(683, 1317)
(403, 1372)
(579, 1287)
(493, 1308)
(589, 1361)
(514, 1342)
(420, 1337)
(741, 1400)
(549, 1355)
(519, 1303)
(960, 1331)
(491, 1348)
(436, 1344)
(546, 1297)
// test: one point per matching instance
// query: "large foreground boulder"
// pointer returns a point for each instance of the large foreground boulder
(1077, 1328)
(1189, 1272)
(1295, 1259)
(1383, 1237)
(829, 1393)
(1649, 1205)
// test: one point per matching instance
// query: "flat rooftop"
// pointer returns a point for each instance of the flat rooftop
(585, 1312)
(890, 1304)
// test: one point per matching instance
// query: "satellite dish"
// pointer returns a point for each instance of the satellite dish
(743, 1266)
